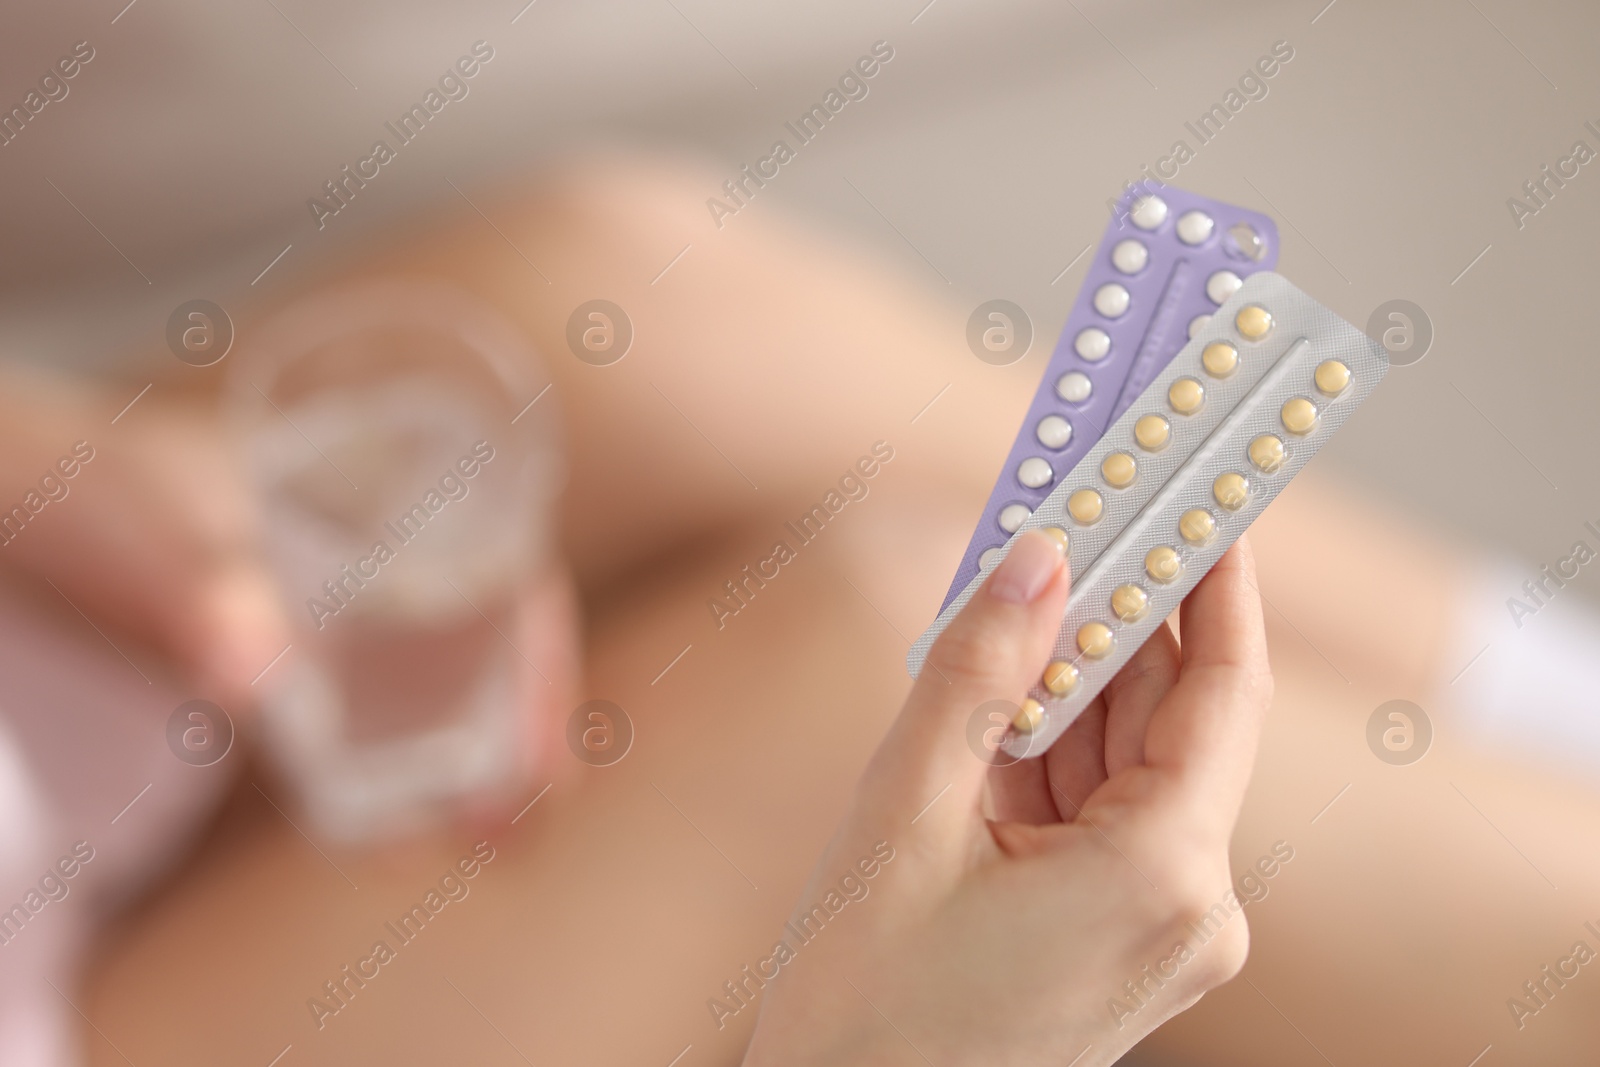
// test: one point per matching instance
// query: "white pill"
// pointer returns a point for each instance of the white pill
(1035, 473)
(1197, 324)
(1012, 516)
(1093, 344)
(986, 560)
(1148, 212)
(1111, 300)
(1194, 227)
(1130, 256)
(1074, 387)
(1222, 285)
(1053, 431)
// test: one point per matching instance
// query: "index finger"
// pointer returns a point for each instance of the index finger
(1204, 732)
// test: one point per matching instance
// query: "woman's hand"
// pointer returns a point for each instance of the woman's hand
(153, 535)
(1009, 940)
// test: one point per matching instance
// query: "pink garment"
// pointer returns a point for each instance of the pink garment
(82, 734)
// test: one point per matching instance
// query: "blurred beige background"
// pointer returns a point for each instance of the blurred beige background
(1387, 149)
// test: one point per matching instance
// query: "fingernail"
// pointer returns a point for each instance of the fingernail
(1027, 569)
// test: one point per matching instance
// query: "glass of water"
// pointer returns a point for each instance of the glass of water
(404, 462)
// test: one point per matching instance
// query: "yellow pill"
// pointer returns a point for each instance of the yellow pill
(1059, 536)
(1130, 603)
(1299, 416)
(1152, 432)
(1119, 470)
(1333, 377)
(1253, 322)
(1231, 490)
(1220, 359)
(1060, 678)
(1028, 716)
(1197, 526)
(1162, 564)
(1085, 506)
(1267, 453)
(1186, 396)
(1096, 640)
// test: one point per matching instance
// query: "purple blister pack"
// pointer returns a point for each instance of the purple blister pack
(1168, 259)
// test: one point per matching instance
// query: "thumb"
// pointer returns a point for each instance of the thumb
(994, 650)
(236, 629)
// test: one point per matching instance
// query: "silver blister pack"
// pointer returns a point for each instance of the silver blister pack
(1177, 479)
